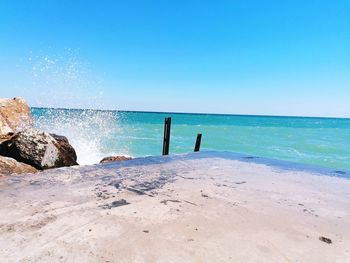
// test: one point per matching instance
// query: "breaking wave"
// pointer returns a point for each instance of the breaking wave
(89, 131)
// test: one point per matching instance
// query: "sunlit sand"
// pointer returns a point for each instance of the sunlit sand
(203, 207)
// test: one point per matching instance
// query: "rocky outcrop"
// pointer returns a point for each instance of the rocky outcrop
(10, 166)
(30, 149)
(39, 149)
(15, 116)
(115, 159)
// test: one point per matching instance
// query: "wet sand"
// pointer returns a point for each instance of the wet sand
(192, 208)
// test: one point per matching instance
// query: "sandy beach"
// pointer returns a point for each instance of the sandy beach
(187, 208)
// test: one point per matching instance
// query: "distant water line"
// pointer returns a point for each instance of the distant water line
(96, 134)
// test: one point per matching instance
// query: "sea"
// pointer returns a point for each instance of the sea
(324, 142)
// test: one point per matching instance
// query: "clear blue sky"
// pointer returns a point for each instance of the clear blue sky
(247, 57)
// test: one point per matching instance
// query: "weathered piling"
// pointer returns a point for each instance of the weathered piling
(166, 138)
(198, 142)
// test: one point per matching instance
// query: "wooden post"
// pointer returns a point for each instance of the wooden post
(198, 142)
(166, 139)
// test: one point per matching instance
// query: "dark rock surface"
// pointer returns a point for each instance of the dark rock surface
(39, 149)
(68, 156)
(115, 159)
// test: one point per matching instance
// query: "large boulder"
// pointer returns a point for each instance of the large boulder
(10, 166)
(15, 116)
(39, 149)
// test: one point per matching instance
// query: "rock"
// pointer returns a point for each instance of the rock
(39, 149)
(68, 154)
(325, 239)
(11, 166)
(15, 116)
(115, 159)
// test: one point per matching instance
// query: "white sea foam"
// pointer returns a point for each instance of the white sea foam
(87, 130)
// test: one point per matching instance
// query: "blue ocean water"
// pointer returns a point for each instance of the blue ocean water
(96, 134)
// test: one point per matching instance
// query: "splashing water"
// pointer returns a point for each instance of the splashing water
(61, 79)
(86, 130)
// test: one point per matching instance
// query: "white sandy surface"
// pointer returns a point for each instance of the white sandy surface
(175, 209)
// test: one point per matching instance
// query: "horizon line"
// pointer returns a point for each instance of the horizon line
(194, 113)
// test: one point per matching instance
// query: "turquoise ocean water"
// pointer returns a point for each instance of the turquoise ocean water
(96, 134)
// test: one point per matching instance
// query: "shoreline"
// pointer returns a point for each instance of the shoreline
(281, 164)
(195, 207)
